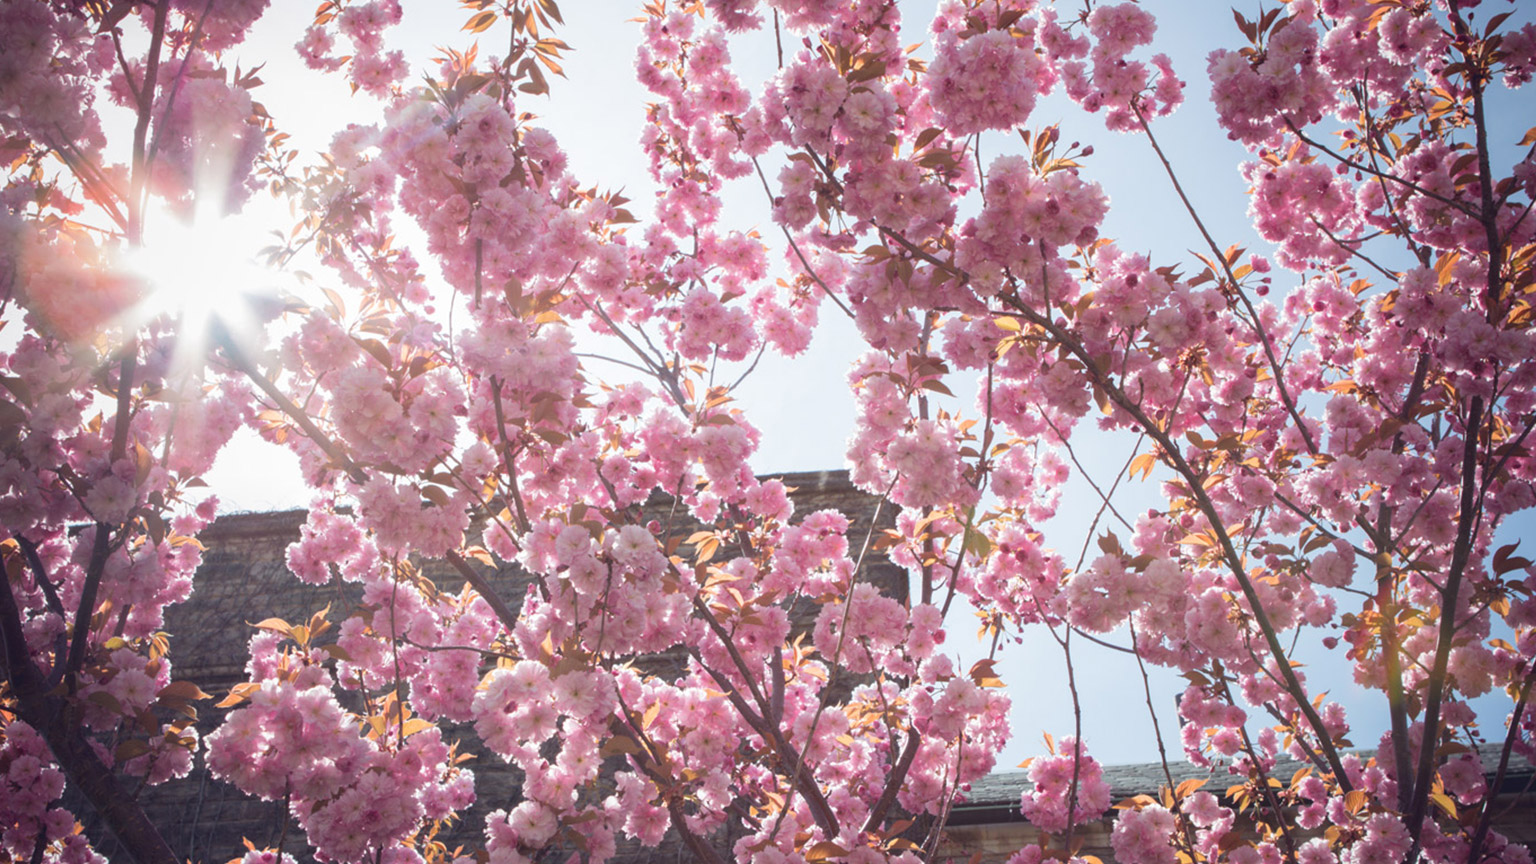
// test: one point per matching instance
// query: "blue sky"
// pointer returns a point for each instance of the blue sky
(597, 112)
(801, 404)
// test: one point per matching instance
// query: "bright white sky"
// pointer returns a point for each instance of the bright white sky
(597, 114)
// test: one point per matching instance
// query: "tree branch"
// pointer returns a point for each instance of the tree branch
(1208, 509)
(1437, 676)
(43, 708)
(1242, 296)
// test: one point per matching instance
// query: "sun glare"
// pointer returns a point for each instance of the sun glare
(201, 273)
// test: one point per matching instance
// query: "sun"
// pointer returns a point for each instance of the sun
(201, 273)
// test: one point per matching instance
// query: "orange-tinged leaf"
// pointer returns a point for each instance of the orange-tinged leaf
(550, 9)
(106, 700)
(183, 690)
(1444, 266)
(129, 749)
(276, 625)
(482, 22)
(927, 136)
(1143, 465)
(1189, 787)
(936, 386)
(437, 495)
(237, 694)
(376, 349)
(618, 746)
(983, 674)
(706, 549)
(1201, 539)
(338, 306)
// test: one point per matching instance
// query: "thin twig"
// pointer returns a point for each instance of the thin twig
(1237, 289)
(805, 264)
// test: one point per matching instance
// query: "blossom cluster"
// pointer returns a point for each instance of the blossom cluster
(354, 794)
(686, 654)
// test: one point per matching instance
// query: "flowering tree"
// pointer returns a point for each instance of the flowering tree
(1340, 455)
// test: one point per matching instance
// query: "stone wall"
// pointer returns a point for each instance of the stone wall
(244, 580)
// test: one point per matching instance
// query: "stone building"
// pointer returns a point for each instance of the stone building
(989, 828)
(244, 579)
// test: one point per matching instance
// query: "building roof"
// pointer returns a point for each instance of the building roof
(995, 798)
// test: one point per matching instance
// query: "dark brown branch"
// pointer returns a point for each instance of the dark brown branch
(646, 761)
(1376, 172)
(141, 125)
(701, 850)
(802, 779)
(893, 783)
(39, 573)
(40, 576)
(100, 543)
(1257, 766)
(1146, 689)
(1397, 706)
(1484, 821)
(1345, 245)
(665, 375)
(1242, 296)
(1489, 215)
(176, 82)
(237, 357)
(43, 708)
(1472, 431)
(504, 613)
(1437, 676)
(1207, 508)
(97, 185)
(509, 455)
(795, 247)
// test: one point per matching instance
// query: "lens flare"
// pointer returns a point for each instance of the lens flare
(200, 273)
